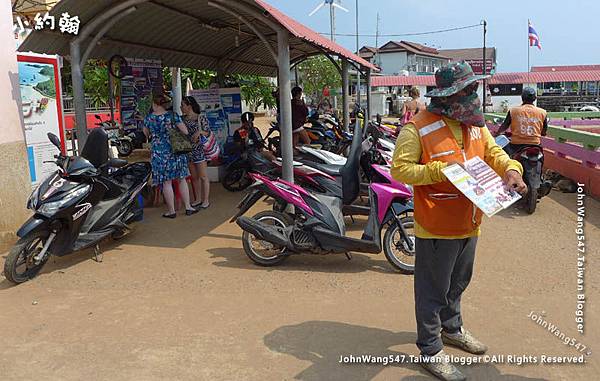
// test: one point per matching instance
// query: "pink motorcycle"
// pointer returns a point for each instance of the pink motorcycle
(318, 225)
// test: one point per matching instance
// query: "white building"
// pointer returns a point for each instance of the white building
(404, 57)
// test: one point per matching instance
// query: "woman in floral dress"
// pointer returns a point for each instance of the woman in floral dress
(197, 125)
(167, 166)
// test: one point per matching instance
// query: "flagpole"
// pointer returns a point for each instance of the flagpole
(528, 48)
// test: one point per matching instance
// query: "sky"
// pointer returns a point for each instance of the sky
(568, 30)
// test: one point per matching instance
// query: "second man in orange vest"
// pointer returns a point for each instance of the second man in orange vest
(527, 123)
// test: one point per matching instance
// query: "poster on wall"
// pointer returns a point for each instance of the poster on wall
(223, 109)
(142, 79)
(41, 103)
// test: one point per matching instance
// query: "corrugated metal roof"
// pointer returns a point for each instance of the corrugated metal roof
(565, 68)
(469, 54)
(497, 79)
(184, 33)
(545, 77)
(402, 80)
(301, 31)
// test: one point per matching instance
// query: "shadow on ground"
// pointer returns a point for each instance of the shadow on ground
(335, 263)
(323, 342)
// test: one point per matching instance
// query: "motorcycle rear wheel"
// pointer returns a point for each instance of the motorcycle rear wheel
(396, 250)
(22, 253)
(531, 200)
(236, 180)
(270, 254)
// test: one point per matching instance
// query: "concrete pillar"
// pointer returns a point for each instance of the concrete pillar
(345, 85)
(14, 168)
(285, 104)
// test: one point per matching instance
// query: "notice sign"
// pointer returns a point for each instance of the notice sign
(476, 180)
(39, 81)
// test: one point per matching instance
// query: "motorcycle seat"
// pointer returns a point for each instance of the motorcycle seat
(330, 169)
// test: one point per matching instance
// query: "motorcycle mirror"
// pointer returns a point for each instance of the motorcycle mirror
(54, 140)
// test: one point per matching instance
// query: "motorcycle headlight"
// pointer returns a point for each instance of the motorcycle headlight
(50, 208)
(33, 198)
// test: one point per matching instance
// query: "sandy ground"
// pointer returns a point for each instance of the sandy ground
(179, 300)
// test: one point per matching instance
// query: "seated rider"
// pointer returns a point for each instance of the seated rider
(248, 136)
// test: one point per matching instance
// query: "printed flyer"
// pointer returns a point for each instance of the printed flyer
(480, 183)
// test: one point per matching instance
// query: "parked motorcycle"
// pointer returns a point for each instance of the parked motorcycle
(116, 138)
(87, 199)
(318, 226)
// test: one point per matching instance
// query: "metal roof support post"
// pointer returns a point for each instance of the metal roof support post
(368, 110)
(78, 95)
(77, 63)
(345, 85)
(176, 89)
(283, 79)
(285, 103)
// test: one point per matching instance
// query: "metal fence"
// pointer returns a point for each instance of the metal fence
(89, 106)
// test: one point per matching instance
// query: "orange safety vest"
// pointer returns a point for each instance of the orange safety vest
(440, 208)
(526, 124)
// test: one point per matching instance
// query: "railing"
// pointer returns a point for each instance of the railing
(69, 107)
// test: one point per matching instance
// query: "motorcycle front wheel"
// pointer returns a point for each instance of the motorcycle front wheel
(20, 265)
(125, 148)
(236, 180)
(397, 251)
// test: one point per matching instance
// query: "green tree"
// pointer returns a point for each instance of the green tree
(95, 82)
(317, 73)
(256, 91)
(200, 79)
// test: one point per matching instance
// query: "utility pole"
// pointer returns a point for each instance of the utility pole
(377, 41)
(484, 66)
(332, 24)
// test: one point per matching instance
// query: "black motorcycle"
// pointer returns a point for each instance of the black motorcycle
(87, 199)
(531, 158)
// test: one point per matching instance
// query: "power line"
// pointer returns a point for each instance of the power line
(406, 34)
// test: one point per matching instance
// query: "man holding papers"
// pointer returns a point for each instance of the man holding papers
(451, 131)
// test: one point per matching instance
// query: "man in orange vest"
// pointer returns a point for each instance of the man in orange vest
(527, 123)
(451, 130)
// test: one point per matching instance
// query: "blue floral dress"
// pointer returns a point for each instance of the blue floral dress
(165, 165)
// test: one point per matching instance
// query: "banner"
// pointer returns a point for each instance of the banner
(41, 100)
(223, 109)
(142, 79)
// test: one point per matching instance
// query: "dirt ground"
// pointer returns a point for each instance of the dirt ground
(179, 300)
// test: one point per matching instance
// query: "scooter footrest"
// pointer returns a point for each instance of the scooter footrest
(342, 244)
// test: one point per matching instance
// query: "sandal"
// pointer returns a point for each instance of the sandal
(172, 215)
(189, 212)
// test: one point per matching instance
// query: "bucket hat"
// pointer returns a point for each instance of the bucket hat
(452, 78)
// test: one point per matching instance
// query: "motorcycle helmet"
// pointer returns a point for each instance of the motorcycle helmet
(247, 117)
(528, 95)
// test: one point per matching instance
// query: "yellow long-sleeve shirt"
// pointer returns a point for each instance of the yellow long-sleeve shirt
(406, 165)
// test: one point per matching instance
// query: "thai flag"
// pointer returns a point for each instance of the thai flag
(534, 39)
